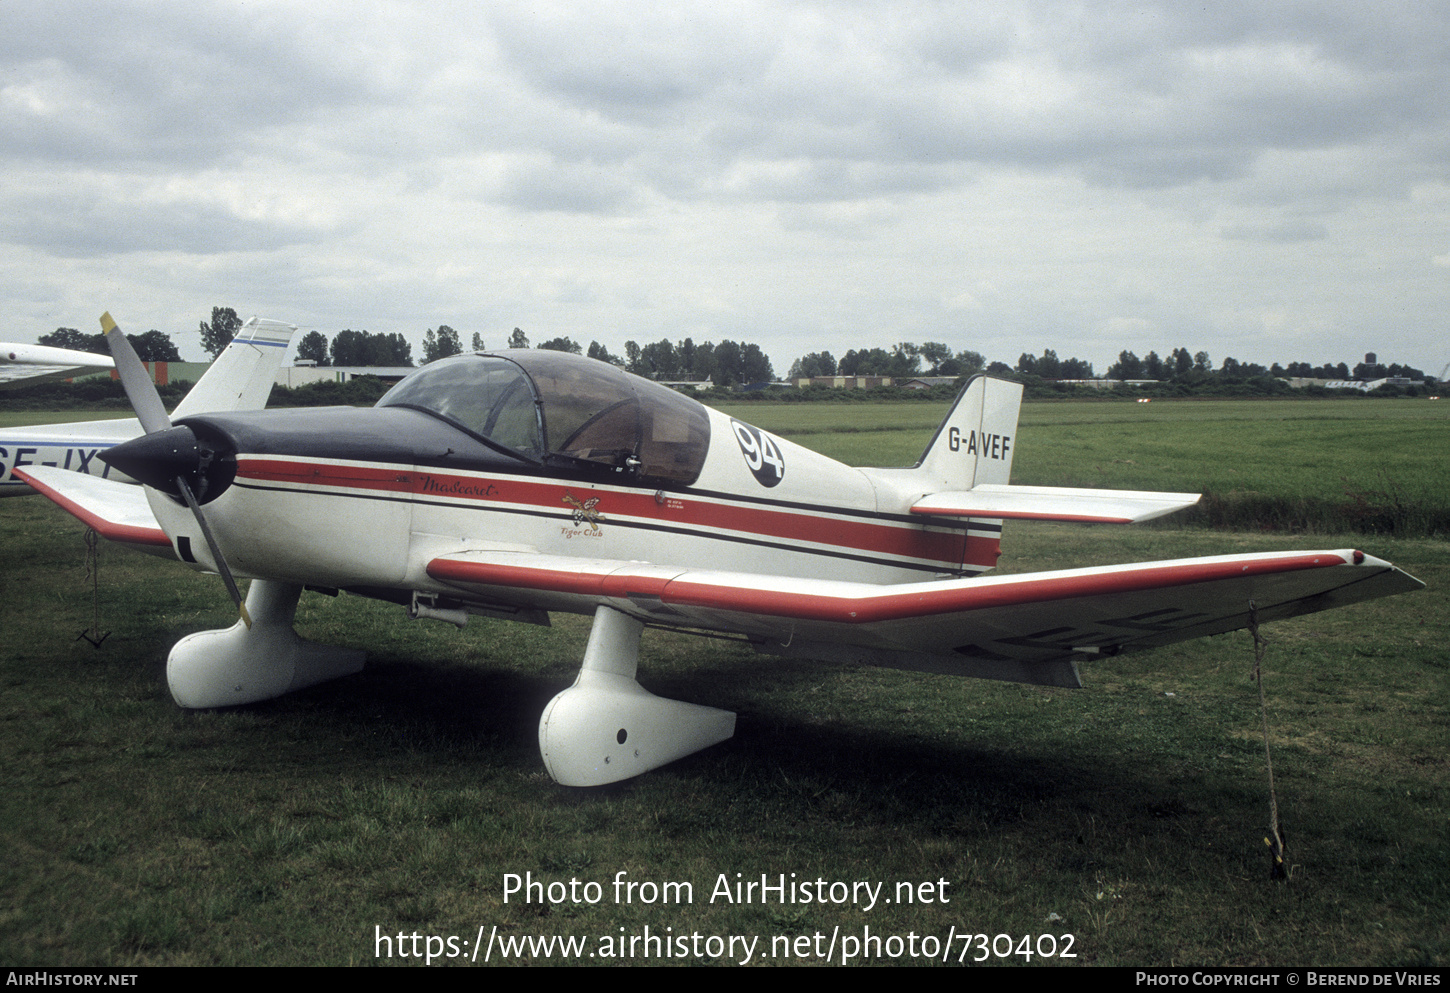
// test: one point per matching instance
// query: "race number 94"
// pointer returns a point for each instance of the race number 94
(761, 453)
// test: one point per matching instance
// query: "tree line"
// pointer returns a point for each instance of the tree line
(724, 363)
(1180, 367)
(153, 346)
(356, 348)
(906, 360)
(730, 363)
(348, 348)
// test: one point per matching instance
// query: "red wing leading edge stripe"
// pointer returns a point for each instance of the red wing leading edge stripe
(874, 603)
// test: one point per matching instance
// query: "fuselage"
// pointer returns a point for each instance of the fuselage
(574, 460)
(312, 505)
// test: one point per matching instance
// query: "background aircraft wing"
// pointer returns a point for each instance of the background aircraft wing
(25, 365)
(1026, 628)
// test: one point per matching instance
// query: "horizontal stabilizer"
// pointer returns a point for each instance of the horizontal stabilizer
(1053, 503)
(117, 511)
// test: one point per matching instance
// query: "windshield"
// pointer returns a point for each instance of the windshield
(487, 396)
(559, 407)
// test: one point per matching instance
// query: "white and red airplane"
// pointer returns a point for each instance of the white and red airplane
(517, 483)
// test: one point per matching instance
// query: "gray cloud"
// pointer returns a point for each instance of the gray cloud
(1077, 172)
(1284, 232)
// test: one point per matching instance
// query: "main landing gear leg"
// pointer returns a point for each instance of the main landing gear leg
(606, 727)
(224, 668)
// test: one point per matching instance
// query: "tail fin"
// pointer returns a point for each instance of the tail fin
(974, 444)
(972, 447)
(242, 376)
(967, 467)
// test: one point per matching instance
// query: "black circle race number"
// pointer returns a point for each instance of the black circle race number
(761, 453)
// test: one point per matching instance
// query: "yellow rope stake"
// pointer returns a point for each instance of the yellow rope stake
(1275, 840)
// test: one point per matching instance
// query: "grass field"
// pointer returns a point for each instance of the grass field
(20, 418)
(1129, 815)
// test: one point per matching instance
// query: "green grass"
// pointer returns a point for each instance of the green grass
(1133, 811)
(21, 418)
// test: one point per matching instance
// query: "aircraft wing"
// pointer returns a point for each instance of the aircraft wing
(117, 511)
(1053, 503)
(1026, 628)
(24, 365)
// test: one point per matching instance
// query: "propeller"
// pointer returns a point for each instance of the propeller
(165, 457)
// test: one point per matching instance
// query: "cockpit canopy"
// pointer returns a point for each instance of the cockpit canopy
(558, 409)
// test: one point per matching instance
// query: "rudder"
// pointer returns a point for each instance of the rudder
(975, 442)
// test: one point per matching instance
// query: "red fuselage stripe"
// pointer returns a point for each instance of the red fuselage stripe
(678, 509)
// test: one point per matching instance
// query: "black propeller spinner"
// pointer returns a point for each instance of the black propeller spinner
(160, 458)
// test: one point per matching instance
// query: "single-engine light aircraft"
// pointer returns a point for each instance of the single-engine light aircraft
(516, 483)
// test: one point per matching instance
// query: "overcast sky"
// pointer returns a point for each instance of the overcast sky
(1267, 180)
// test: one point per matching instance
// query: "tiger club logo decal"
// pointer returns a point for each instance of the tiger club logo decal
(584, 512)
